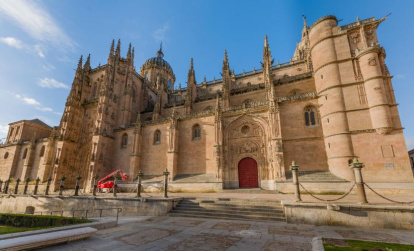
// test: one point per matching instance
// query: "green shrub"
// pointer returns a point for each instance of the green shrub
(23, 220)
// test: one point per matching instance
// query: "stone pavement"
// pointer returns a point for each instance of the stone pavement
(175, 233)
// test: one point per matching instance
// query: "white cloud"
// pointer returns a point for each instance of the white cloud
(51, 83)
(16, 43)
(12, 42)
(35, 20)
(160, 33)
(48, 67)
(27, 100)
(39, 51)
(33, 102)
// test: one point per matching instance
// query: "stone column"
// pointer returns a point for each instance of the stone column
(48, 186)
(166, 173)
(62, 183)
(36, 186)
(295, 168)
(95, 184)
(26, 185)
(1, 184)
(16, 188)
(172, 154)
(356, 166)
(78, 178)
(139, 176)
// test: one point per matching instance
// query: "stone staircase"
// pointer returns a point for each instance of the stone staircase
(226, 208)
(315, 176)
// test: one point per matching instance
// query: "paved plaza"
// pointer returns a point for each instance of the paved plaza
(176, 233)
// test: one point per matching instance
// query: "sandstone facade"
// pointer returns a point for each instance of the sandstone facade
(332, 102)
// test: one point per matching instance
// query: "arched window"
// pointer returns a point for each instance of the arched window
(6, 155)
(124, 142)
(147, 76)
(169, 84)
(133, 94)
(196, 132)
(94, 91)
(310, 117)
(42, 151)
(24, 153)
(157, 137)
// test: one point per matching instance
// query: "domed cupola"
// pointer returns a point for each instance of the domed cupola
(157, 67)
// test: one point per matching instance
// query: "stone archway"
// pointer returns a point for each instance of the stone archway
(245, 137)
(248, 173)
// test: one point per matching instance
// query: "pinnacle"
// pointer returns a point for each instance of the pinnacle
(266, 43)
(118, 47)
(112, 47)
(80, 62)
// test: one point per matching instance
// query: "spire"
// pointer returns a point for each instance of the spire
(79, 69)
(129, 52)
(191, 74)
(133, 55)
(160, 54)
(87, 64)
(267, 55)
(226, 65)
(118, 48)
(304, 21)
(111, 52)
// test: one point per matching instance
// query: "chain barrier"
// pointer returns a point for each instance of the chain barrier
(343, 196)
(385, 198)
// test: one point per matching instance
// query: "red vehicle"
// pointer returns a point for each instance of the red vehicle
(108, 181)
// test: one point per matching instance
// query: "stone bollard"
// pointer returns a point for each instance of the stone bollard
(6, 186)
(166, 173)
(95, 184)
(78, 178)
(294, 168)
(36, 186)
(16, 187)
(48, 186)
(26, 185)
(356, 166)
(139, 177)
(62, 183)
(1, 184)
(116, 177)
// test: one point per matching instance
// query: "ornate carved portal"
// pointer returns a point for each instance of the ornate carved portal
(245, 138)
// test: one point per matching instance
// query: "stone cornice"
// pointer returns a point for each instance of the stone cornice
(332, 62)
(323, 19)
(303, 139)
(291, 79)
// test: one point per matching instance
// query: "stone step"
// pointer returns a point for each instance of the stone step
(227, 217)
(235, 212)
(219, 207)
(315, 176)
(233, 202)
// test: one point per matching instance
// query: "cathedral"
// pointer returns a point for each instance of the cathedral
(331, 102)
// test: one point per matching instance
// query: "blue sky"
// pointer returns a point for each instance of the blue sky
(41, 42)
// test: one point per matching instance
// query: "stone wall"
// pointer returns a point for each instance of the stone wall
(363, 216)
(130, 206)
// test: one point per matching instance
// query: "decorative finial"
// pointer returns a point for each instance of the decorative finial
(304, 20)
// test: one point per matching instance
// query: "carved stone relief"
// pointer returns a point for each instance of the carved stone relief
(245, 138)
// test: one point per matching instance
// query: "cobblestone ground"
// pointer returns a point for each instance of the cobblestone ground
(176, 233)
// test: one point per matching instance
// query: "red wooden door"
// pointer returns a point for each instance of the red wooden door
(248, 176)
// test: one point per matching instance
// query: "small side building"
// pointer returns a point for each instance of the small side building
(26, 150)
